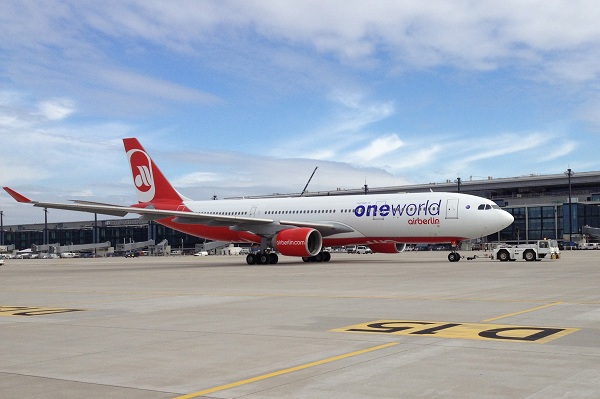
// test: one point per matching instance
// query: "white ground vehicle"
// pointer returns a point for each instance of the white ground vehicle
(361, 249)
(68, 255)
(529, 252)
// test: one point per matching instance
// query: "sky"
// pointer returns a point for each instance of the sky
(239, 98)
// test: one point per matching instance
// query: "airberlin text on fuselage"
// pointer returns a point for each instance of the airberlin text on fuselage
(289, 242)
(427, 209)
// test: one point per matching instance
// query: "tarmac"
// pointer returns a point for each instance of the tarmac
(409, 325)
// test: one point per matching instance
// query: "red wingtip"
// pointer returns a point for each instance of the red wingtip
(18, 197)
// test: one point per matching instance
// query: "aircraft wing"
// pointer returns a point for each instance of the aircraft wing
(253, 224)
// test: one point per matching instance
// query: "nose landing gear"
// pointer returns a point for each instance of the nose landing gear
(454, 256)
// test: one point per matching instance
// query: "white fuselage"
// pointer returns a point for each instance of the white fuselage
(411, 218)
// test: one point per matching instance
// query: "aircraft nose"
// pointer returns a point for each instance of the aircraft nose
(507, 219)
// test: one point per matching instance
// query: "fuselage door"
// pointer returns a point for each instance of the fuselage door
(452, 208)
(252, 212)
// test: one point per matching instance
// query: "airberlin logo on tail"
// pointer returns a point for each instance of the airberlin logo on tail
(144, 179)
(141, 169)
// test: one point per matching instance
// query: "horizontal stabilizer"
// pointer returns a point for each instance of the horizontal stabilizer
(101, 209)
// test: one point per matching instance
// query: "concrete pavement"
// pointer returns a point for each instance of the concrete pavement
(361, 326)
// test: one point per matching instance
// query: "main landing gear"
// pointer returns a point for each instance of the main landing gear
(323, 256)
(262, 258)
(271, 258)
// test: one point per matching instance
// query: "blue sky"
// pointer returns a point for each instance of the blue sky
(236, 98)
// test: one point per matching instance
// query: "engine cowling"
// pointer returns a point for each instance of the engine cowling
(388, 247)
(301, 241)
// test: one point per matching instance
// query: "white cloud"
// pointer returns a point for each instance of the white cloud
(377, 148)
(56, 109)
(195, 179)
(559, 150)
(37, 150)
(143, 86)
(464, 34)
(414, 158)
(352, 113)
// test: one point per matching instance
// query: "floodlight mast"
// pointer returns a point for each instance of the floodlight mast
(569, 173)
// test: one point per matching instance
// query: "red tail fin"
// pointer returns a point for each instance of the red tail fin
(18, 197)
(150, 184)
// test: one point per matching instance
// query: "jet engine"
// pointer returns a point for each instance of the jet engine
(388, 247)
(301, 241)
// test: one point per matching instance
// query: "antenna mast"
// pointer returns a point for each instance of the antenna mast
(308, 182)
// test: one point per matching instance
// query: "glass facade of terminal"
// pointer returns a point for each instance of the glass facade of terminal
(548, 221)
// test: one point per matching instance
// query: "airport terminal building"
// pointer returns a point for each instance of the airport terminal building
(544, 206)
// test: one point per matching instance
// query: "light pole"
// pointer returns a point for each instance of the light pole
(45, 238)
(569, 173)
(1, 227)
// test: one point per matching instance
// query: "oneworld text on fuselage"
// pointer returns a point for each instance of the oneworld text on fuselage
(427, 208)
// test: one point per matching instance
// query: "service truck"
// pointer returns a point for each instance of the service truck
(530, 252)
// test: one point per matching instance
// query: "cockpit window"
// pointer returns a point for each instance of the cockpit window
(487, 206)
(480, 207)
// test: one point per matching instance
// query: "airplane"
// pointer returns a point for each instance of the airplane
(302, 226)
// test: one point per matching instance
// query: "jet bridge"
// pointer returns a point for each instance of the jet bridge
(134, 246)
(211, 246)
(591, 231)
(59, 249)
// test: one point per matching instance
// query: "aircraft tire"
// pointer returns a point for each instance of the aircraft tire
(251, 259)
(326, 256)
(453, 257)
(262, 259)
(273, 258)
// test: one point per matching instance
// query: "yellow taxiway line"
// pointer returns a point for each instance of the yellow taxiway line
(522, 311)
(284, 371)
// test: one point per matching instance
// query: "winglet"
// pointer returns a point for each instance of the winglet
(17, 196)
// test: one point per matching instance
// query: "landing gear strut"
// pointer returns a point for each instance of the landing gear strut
(264, 256)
